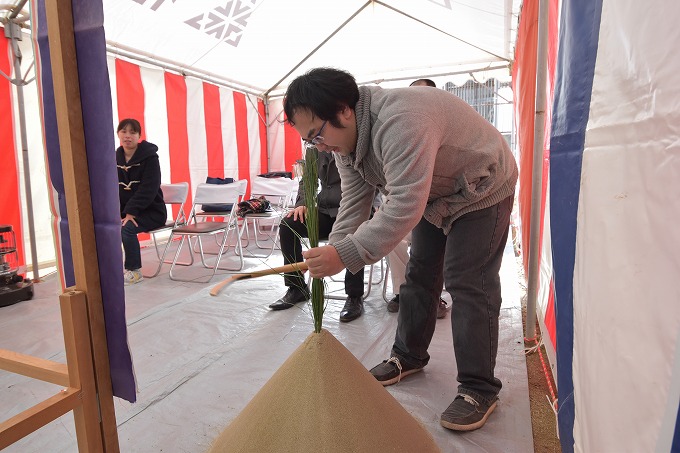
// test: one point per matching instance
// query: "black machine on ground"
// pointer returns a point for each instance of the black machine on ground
(13, 287)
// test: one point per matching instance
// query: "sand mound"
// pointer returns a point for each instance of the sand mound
(323, 400)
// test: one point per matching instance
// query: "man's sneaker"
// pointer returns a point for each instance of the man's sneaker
(442, 308)
(393, 305)
(132, 277)
(391, 371)
(466, 414)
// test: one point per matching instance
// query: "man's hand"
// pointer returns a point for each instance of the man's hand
(128, 218)
(323, 261)
(298, 213)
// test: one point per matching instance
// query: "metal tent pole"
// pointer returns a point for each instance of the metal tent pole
(537, 167)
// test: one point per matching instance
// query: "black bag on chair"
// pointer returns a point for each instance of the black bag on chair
(253, 206)
(218, 207)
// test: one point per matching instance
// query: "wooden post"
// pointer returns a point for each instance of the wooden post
(80, 370)
(79, 205)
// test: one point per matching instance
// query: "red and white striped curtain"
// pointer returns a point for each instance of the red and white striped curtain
(201, 129)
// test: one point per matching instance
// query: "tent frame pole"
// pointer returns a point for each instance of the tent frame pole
(537, 168)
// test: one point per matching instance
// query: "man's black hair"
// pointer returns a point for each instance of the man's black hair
(324, 92)
(428, 82)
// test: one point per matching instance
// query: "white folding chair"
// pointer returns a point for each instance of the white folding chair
(278, 191)
(211, 193)
(202, 215)
(174, 195)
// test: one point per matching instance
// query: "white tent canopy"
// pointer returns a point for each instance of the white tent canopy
(259, 46)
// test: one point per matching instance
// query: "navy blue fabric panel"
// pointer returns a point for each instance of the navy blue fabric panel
(578, 40)
(52, 144)
(95, 96)
(675, 447)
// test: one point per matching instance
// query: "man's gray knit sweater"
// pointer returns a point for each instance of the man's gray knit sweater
(432, 156)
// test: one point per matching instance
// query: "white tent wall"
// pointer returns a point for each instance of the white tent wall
(276, 135)
(626, 361)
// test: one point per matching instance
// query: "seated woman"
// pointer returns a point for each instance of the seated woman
(142, 207)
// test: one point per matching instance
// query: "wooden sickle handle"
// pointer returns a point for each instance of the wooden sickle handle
(301, 266)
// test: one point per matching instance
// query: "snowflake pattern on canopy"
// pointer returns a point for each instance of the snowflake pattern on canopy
(226, 23)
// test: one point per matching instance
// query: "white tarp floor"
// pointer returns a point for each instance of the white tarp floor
(200, 359)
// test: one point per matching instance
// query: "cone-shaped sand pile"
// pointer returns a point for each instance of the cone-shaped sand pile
(323, 400)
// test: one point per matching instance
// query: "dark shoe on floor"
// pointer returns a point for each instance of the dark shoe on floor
(391, 371)
(442, 308)
(466, 414)
(352, 309)
(393, 305)
(293, 296)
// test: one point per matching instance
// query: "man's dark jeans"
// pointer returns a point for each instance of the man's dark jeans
(470, 257)
(290, 232)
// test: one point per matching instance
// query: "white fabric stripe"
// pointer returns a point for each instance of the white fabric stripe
(229, 133)
(626, 310)
(42, 216)
(198, 156)
(156, 117)
(253, 121)
(111, 66)
(276, 136)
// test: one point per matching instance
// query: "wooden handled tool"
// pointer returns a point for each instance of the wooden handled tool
(301, 266)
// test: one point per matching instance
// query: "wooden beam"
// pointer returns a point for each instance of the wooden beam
(34, 367)
(78, 202)
(81, 370)
(38, 416)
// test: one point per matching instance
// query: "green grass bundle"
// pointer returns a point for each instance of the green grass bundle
(310, 181)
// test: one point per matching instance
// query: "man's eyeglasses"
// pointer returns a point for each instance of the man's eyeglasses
(317, 138)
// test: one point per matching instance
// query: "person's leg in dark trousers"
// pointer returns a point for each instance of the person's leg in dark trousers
(354, 283)
(474, 252)
(133, 257)
(290, 232)
(419, 295)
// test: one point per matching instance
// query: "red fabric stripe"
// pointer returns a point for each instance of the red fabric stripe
(264, 158)
(523, 85)
(241, 123)
(213, 130)
(130, 93)
(524, 88)
(176, 99)
(293, 146)
(10, 197)
(549, 320)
